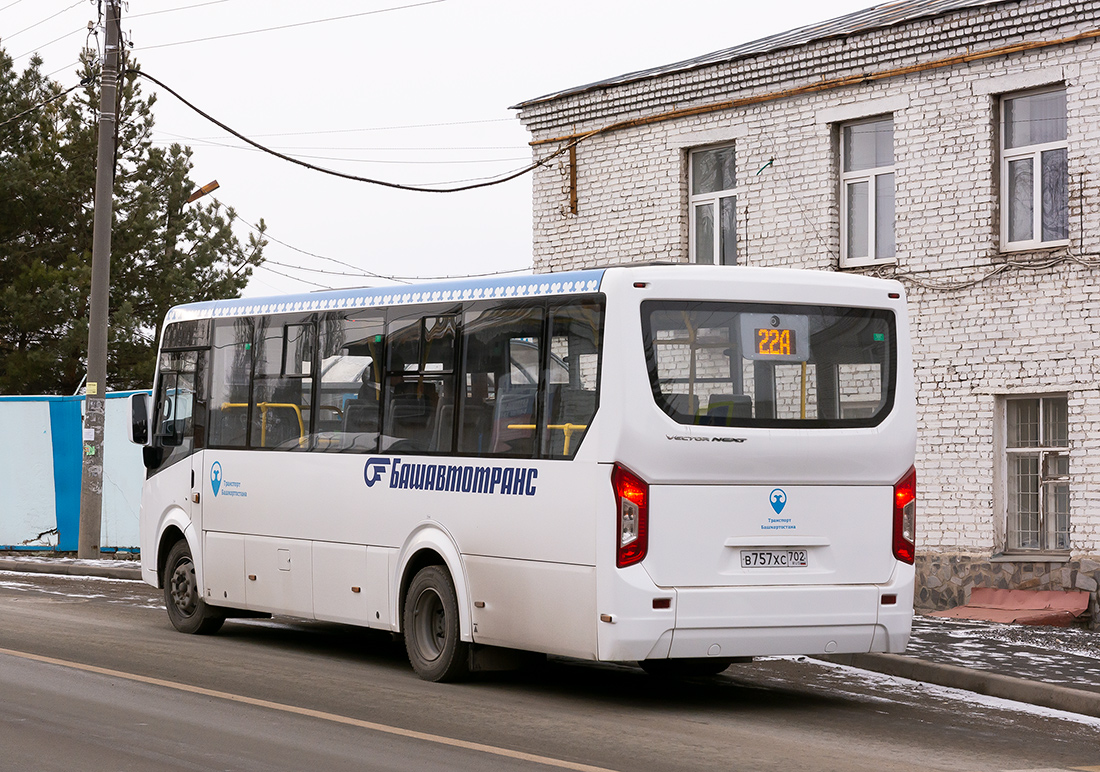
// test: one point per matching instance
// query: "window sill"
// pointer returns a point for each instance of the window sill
(1006, 251)
(864, 264)
(1031, 557)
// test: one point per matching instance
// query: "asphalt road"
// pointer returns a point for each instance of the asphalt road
(93, 677)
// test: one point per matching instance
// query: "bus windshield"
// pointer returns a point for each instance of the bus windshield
(771, 364)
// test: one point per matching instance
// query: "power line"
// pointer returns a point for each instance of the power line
(59, 69)
(359, 272)
(441, 124)
(355, 178)
(264, 234)
(292, 26)
(177, 8)
(363, 148)
(36, 49)
(40, 105)
(346, 159)
(43, 21)
(292, 278)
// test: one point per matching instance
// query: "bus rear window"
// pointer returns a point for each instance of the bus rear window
(770, 364)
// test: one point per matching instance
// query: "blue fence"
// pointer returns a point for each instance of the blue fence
(40, 474)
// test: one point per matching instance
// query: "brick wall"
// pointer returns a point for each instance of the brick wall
(1023, 330)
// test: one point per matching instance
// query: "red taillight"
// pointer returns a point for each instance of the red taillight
(632, 505)
(905, 517)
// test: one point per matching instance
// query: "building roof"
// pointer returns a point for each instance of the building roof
(877, 17)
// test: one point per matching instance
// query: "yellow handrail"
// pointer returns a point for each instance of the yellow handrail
(567, 428)
(264, 407)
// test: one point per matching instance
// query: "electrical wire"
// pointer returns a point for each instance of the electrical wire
(359, 272)
(403, 127)
(355, 178)
(356, 275)
(264, 234)
(59, 69)
(40, 105)
(910, 277)
(36, 49)
(292, 26)
(195, 142)
(347, 159)
(177, 8)
(43, 21)
(362, 148)
(292, 278)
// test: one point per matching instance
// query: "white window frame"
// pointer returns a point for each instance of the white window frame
(1045, 454)
(713, 199)
(1035, 153)
(871, 178)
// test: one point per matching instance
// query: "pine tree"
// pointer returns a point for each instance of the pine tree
(163, 251)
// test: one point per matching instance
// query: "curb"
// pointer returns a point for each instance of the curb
(981, 681)
(130, 571)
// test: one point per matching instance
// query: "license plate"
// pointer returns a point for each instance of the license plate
(773, 558)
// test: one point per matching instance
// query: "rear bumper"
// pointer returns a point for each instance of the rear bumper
(760, 621)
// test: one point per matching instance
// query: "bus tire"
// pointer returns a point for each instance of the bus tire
(430, 623)
(186, 608)
(687, 667)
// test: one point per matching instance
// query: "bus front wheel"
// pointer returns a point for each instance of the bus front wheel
(182, 596)
(431, 627)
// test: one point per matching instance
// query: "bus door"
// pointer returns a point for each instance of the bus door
(179, 428)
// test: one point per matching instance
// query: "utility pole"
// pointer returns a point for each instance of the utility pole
(91, 483)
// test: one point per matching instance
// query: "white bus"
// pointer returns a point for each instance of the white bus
(675, 465)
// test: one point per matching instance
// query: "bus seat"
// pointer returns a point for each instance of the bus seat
(683, 404)
(514, 408)
(573, 406)
(476, 427)
(361, 416)
(283, 428)
(408, 417)
(723, 408)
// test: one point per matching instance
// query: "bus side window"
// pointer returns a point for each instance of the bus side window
(347, 417)
(418, 414)
(573, 377)
(501, 364)
(230, 382)
(283, 361)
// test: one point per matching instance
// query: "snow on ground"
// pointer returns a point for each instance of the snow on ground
(129, 591)
(1067, 656)
(864, 685)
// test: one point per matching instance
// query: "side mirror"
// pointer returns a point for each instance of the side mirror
(139, 418)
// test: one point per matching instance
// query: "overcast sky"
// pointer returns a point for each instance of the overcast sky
(411, 91)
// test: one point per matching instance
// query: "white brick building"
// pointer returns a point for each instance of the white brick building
(951, 144)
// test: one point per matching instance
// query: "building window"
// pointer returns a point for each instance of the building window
(713, 206)
(1034, 170)
(867, 191)
(1037, 473)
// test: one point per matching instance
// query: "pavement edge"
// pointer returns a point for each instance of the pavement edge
(980, 681)
(125, 569)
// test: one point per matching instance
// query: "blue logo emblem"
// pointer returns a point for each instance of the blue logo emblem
(373, 470)
(778, 500)
(216, 477)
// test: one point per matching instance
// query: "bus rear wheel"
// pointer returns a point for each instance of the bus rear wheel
(182, 596)
(430, 623)
(687, 667)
